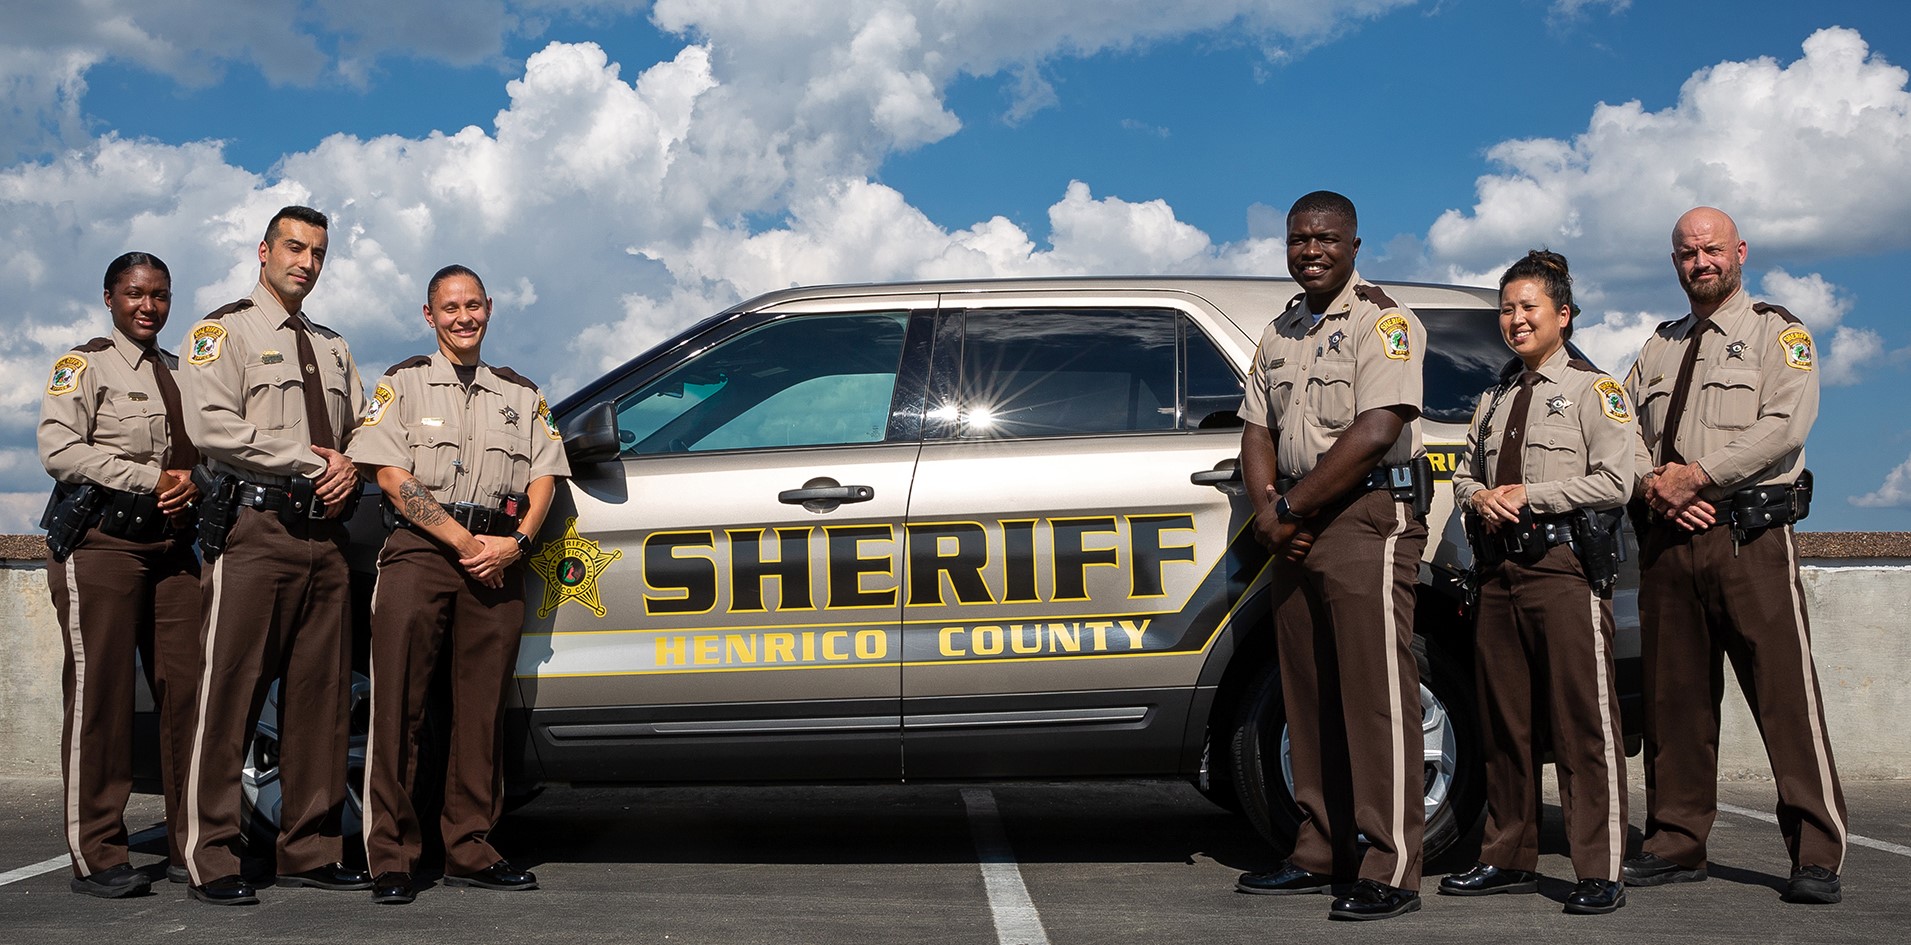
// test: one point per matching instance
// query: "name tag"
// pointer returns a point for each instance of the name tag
(432, 421)
(135, 395)
(271, 357)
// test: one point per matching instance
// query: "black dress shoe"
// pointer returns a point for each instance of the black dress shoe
(335, 876)
(393, 888)
(122, 880)
(1484, 880)
(225, 891)
(1651, 869)
(1374, 900)
(177, 874)
(1814, 884)
(1596, 897)
(499, 875)
(1284, 880)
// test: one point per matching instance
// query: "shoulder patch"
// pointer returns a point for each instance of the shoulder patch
(205, 343)
(1767, 308)
(1395, 337)
(505, 373)
(382, 396)
(1374, 295)
(1796, 343)
(416, 360)
(1612, 400)
(66, 375)
(546, 420)
(95, 344)
(227, 309)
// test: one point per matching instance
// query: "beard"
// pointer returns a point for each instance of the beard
(1718, 290)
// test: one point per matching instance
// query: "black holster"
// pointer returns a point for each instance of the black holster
(1412, 483)
(1600, 545)
(133, 516)
(218, 509)
(1761, 507)
(70, 511)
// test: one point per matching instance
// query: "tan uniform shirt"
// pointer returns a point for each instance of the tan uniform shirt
(102, 419)
(473, 444)
(1753, 397)
(1579, 440)
(1310, 379)
(245, 406)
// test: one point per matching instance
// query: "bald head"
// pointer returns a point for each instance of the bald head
(1709, 257)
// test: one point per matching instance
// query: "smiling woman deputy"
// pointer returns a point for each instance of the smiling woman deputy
(1549, 462)
(120, 566)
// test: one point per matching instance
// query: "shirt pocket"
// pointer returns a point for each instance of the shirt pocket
(1729, 399)
(1330, 393)
(506, 464)
(1555, 451)
(134, 428)
(275, 400)
(436, 456)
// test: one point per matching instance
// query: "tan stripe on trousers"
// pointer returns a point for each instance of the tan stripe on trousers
(199, 723)
(1393, 693)
(1608, 736)
(1826, 789)
(77, 724)
(366, 807)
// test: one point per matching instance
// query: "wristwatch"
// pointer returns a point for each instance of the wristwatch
(1285, 512)
(524, 543)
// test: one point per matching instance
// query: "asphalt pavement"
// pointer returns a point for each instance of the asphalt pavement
(992, 864)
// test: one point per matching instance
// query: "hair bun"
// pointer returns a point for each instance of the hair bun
(1548, 259)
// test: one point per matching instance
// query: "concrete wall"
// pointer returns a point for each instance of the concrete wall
(1861, 641)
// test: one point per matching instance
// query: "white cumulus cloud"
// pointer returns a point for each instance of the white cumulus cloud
(1894, 492)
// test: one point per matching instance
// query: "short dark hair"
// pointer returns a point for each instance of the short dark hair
(126, 261)
(1326, 201)
(1549, 270)
(447, 272)
(305, 215)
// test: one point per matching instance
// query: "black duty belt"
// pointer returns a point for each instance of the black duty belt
(1381, 477)
(477, 519)
(265, 498)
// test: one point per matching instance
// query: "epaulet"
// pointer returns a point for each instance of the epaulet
(1373, 294)
(227, 309)
(321, 329)
(97, 344)
(1667, 326)
(1767, 308)
(513, 376)
(416, 360)
(1581, 364)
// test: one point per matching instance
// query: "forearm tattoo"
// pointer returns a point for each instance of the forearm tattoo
(416, 502)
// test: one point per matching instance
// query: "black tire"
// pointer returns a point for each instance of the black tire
(1216, 780)
(1454, 777)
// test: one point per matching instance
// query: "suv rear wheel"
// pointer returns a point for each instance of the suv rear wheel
(1453, 779)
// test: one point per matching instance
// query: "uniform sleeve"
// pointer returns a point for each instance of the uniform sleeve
(68, 412)
(1254, 406)
(1787, 407)
(355, 394)
(1390, 354)
(1606, 422)
(378, 437)
(214, 390)
(547, 445)
(1466, 480)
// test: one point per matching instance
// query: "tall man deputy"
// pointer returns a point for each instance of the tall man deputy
(1333, 463)
(468, 458)
(271, 397)
(1726, 396)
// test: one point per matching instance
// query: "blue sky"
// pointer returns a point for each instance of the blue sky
(618, 168)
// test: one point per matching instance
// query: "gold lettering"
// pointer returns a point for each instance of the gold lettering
(779, 648)
(809, 647)
(1065, 637)
(705, 653)
(739, 648)
(830, 641)
(871, 644)
(987, 641)
(1020, 631)
(1135, 632)
(1101, 628)
(671, 651)
(945, 641)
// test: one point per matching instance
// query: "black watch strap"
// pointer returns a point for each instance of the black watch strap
(1285, 512)
(524, 543)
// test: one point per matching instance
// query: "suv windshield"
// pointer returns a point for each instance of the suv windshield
(1464, 354)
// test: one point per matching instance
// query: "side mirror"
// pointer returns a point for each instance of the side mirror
(591, 436)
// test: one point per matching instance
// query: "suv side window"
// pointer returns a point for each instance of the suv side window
(803, 380)
(1211, 391)
(1030, 373)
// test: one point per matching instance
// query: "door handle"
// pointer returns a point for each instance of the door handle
(826, 494)
(1227, 478)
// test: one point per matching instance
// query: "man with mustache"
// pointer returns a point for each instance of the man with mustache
(1725, 398)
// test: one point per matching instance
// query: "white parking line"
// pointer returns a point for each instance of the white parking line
(1885, 845)
(1016, 921)
(49, 865)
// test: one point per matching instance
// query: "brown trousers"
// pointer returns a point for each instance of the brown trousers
(1543, 645)
(277, 608)
(1343, 619)
(423, 598)
(115, 598)
(1699, 604)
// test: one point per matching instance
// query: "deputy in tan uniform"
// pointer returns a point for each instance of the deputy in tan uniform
(1548, 466)
(271, 398)
(1726, 396)
(1333, 463)
(468, 458)
(122, 572)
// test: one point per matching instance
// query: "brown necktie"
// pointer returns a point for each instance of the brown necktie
(1681, 390)
(1513, 441)
(184, 454)
(316, 419)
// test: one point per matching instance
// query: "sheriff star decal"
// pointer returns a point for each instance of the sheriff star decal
(66, 375)
(1393, 334)
(1612, 400)
(570, 567)
(203, 347)
(1796, 343)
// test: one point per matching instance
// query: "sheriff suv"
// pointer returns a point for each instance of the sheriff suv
(961, 530)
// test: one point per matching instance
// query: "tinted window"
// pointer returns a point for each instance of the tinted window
(1464, 355)
(1048, 373)
(808, 380)
(1212, 390)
